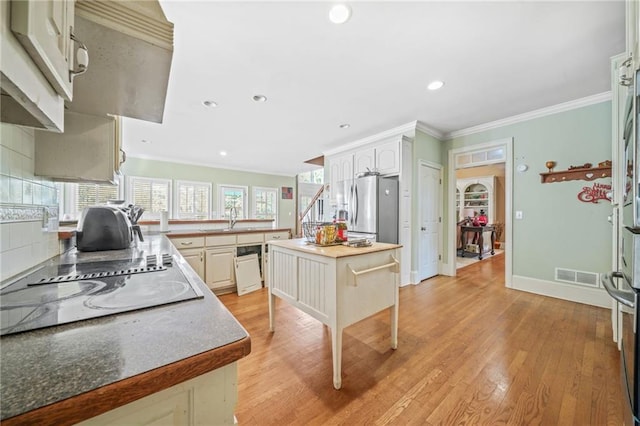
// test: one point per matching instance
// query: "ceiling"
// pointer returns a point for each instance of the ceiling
(497, 59)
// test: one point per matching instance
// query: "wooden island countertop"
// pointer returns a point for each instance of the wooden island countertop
(334, 251)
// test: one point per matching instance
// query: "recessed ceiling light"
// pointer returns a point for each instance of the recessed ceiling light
(340, 13)
(260, 98)
(345, 126)
(223, 153)
(210, 104)
(435, 85)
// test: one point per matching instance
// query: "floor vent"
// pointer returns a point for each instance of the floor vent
(589, 279)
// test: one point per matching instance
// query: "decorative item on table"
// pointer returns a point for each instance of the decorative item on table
(468, 215)
(359, 242)
(550, 165)
(320, 233)
(481, 219)
(341, 227)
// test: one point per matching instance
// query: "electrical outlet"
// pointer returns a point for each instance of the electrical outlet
(519, 214)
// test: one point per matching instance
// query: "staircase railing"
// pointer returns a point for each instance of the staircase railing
(310, 209)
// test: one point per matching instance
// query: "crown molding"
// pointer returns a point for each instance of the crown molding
(430, 131)
(542, 112)
(408, 129)
(200, 164)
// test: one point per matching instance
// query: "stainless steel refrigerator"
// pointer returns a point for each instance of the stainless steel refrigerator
(371, 206)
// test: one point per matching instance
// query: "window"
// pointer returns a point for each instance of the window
(265, 203)
(313, 176)
(193, 200)
(154, 195)
(74, 197)
(232, 196)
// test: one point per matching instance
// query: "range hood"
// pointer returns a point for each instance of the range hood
(130, 47)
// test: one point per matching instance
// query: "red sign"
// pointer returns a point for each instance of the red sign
(595, 193)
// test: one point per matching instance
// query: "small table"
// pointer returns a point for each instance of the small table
(478, 230)
(337, 285)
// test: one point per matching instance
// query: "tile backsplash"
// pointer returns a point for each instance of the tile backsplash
(28, 205)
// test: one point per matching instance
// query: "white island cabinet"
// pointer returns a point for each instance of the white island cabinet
(337, 285)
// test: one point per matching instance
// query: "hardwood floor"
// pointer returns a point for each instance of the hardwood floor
(470, 351)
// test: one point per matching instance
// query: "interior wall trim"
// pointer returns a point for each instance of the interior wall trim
(428, 130)
(408, 130)
(542, 112)
(571, 292)
(27, 213)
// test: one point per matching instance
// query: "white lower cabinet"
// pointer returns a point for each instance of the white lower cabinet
(209, 399)
(219, 268)
(280, 235)
(195, 258)
(213, 257)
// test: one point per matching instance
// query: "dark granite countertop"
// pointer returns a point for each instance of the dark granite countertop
(49, 371)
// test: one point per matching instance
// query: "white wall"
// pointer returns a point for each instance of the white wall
(26, 202)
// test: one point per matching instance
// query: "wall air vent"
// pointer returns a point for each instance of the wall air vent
(588, 279)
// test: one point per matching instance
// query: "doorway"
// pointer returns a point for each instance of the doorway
(430, 217)
(495, 152)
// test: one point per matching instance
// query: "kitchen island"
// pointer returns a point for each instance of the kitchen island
(179, 357)
(337, 285)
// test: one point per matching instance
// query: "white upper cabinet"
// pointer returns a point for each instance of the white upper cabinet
(88, 150)
(44, 28)
(340, 168)
(364, 161)
(388, 157)
(27, 97)
(383, 157)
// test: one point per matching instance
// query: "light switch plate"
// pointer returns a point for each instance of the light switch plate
(518, 214)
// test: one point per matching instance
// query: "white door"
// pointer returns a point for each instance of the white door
(430, 195)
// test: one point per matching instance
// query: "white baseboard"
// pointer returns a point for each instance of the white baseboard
(414, 278)
(574, 293)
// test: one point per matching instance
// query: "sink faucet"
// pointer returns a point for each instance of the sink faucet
(233, 216)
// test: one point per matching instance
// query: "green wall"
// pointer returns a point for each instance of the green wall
(178, 171)
(557, 230)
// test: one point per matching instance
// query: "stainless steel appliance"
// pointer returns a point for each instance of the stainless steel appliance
(60, 294)
(103, 228)
(631, 203)
(626, 293)
(371, 205)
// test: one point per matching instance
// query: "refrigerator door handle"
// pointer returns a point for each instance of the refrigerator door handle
(351, 215)
(623, 297)
(356, 202)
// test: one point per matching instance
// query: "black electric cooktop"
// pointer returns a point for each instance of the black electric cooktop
(67, 293)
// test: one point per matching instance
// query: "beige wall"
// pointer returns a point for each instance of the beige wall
(497, 170)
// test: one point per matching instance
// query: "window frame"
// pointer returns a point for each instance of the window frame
(176, 205)
(254, 205)
(68, 197)
(221, 207)
(130, 193)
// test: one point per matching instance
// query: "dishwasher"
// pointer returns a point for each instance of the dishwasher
(247, 266)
